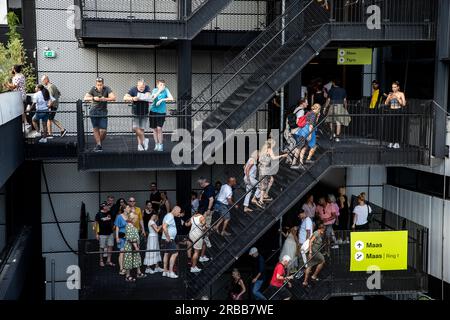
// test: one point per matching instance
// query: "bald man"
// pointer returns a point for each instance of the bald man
(54, 92)
(169, 234)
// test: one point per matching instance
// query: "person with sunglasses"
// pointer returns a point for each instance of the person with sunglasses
(99, 96)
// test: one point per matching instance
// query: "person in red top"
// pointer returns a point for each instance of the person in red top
(276, 288)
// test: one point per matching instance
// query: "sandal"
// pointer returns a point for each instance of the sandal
(130, 279)
(315, 279)
(247, 210)
(260, 204)
(102, 264)
(141, 276)
(110, 264)
(122, 272)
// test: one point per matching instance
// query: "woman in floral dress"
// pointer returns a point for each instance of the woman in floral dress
(132, 259)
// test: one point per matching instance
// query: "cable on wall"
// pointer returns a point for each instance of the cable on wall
(54, 213)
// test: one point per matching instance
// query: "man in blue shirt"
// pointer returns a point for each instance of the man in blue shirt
(139, 95)
(258, 271)
(337, 113)
(158, 110)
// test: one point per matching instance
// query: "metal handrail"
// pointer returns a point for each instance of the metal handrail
(305, 265)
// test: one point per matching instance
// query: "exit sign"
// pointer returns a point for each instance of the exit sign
(49, 54)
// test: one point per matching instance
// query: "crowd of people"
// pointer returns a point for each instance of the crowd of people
(320, 225)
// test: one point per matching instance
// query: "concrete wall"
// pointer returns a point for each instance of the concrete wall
(367, 179)
(431, 212)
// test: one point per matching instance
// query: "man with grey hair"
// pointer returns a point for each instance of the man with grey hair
(54, 92)
(140, 97)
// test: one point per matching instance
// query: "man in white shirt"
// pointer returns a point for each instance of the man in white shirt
(168, 237)
(305, 231)
(224, 201)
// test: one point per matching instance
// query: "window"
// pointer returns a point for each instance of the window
(3, 11)
(16, 7)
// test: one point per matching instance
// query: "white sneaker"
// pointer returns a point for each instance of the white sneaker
(165, 274)
(347, 241)
(335, 247)
(195, 270)
(208, 243)
(390, 145)
(161, 147)
(156, 147)
(34, 134)
(203, 259)
(49, 137)
(43, 140)
(172, 275)
(150, 271)
(396, 146)
(140, 148)
(158, 269)
(339, 241)
(146, 141)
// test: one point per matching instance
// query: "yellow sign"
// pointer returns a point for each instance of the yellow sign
(387, 250)
(354, 56)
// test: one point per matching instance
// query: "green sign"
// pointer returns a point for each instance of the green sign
(383, 250)
(354, 56)
(49, 54)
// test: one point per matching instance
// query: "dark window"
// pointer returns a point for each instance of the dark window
(419, 181)
(16, 7)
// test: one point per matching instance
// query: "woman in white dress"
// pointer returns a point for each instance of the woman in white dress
(153, 258)
(290, 247)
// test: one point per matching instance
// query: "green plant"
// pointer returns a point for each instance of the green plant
(14, 53)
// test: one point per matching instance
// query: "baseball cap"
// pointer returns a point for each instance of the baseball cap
(253, 251)
(103, 205)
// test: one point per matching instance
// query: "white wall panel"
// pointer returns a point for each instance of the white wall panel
(126, 60)
(66, 54)
(52, 4)
(375, 195)
(52, 240)
(62, 261)
(65, 177)
(68, 206)
(61, 292)
(49, 20)
(427, 211)
(133, 180)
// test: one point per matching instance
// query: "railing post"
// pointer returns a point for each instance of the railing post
(80, 127)
(53, 279)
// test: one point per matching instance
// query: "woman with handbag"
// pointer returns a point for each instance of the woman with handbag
(132, 257)
(198, 228)
(361, 214)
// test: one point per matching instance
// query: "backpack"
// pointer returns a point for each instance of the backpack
(301, 122)
(292, 121)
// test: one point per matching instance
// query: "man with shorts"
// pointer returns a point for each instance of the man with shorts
(206, 207)
(99, 96)
(104, 235)
(224, 202)
(54, 92)
(158, 110)
(169, 234)
(139, 95)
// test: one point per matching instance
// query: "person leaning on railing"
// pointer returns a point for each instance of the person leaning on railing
(99, 96)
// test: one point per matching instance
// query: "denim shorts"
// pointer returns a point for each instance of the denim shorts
(99, 122)
(41, 115)
(222, 210)
(121, 243)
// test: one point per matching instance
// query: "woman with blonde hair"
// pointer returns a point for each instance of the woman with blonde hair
(237, 286)
(291, 246)
(308, 132)
(132, 257)
(251, 180)
(152, 258)
(120, 225)
(266, 170)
